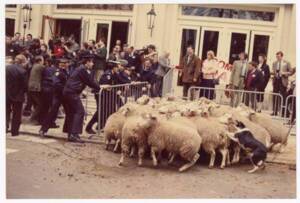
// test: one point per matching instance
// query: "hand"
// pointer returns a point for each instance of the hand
(104, 86)
(195, 80)
(149, 86)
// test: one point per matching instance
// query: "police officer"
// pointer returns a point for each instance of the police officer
(59, 80)
(108, 78)
(71, 95)
(47, 89)
(148, 75)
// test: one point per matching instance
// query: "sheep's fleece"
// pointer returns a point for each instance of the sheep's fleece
(171, 109)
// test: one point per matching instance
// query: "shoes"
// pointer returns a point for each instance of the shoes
(90, 131)
(42, 133)
(75, 138)
(273, 114)
(14, 135)
(53, 125)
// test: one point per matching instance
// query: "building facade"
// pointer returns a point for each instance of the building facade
(227, 29)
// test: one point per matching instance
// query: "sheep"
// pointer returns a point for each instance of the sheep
(113, 127)
(175, 138)
(214, 137)
(114, 124)
(279, 133)
(133, 133)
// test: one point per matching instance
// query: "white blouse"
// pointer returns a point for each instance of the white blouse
(209, 68)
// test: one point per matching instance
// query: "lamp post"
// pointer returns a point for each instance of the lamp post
(26, 18)
(151, 19)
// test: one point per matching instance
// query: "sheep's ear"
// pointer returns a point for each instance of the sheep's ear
(153, 117)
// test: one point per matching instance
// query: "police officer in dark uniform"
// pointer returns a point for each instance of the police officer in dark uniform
(108, 78)
(59, 80)
(71, 95)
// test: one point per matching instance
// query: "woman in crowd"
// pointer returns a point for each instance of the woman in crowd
(209, 71)
(265, 70)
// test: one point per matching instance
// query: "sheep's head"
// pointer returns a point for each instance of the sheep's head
(143, 99)
(125, 111)
(148, 120)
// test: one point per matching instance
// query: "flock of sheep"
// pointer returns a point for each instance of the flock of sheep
(182, 127)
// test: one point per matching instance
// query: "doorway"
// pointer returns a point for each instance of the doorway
(67, 27)
(119, 31)
(9, 27)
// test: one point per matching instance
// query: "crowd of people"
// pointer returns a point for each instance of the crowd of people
(248, 76)
(46, 76)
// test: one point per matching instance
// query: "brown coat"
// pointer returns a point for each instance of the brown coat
(191, 70)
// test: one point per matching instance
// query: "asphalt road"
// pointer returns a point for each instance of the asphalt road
(54, 168)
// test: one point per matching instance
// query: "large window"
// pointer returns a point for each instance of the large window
(11, 5)
(120, 7)
(228, 13)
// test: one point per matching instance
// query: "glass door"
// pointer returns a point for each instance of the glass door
(103, 32)
(239, 42)
(189, 36)
(259, 44)
(210, 38)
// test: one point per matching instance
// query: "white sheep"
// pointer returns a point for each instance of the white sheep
(279, 133)
(175, 138)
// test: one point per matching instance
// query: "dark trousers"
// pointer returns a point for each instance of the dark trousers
(282, 90)
(109, 104)
(28, 105)
(186, 87)
(159, 85)
(250, 99)
(16, 109)
(74, 114)
(47, 98)
(37, 103)
(53, 111)
(208, 93)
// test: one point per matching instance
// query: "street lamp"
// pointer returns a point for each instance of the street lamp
(151, 18)
(26, 18)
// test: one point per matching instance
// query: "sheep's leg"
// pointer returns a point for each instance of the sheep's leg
(132, 152)
(171, 159)
(228, 162)
(236, 156)
(153, 156)
(159, 156)
(107, 142)
(117, 145)
(190, 164)
(224, 153)
(212, 159)
(141, 152)
(121, 162)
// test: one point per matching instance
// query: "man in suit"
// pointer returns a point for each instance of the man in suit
(237, 78)
(16, 86)
(100, 59)
(35, 88)
(281, 70)
(190, 67)
(163, 67)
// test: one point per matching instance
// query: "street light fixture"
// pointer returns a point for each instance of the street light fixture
(151, 18)
(26, 18)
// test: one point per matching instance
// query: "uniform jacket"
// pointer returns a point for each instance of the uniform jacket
(235, 77)
(190, 70)
(35, 78)
(60, 78)
(78, 81)
(16, 82)
(47, 78)
(284, 73)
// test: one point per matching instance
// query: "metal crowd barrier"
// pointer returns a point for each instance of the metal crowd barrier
(167, 82)
(290, 110)
(268, 102)
(111, 98)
